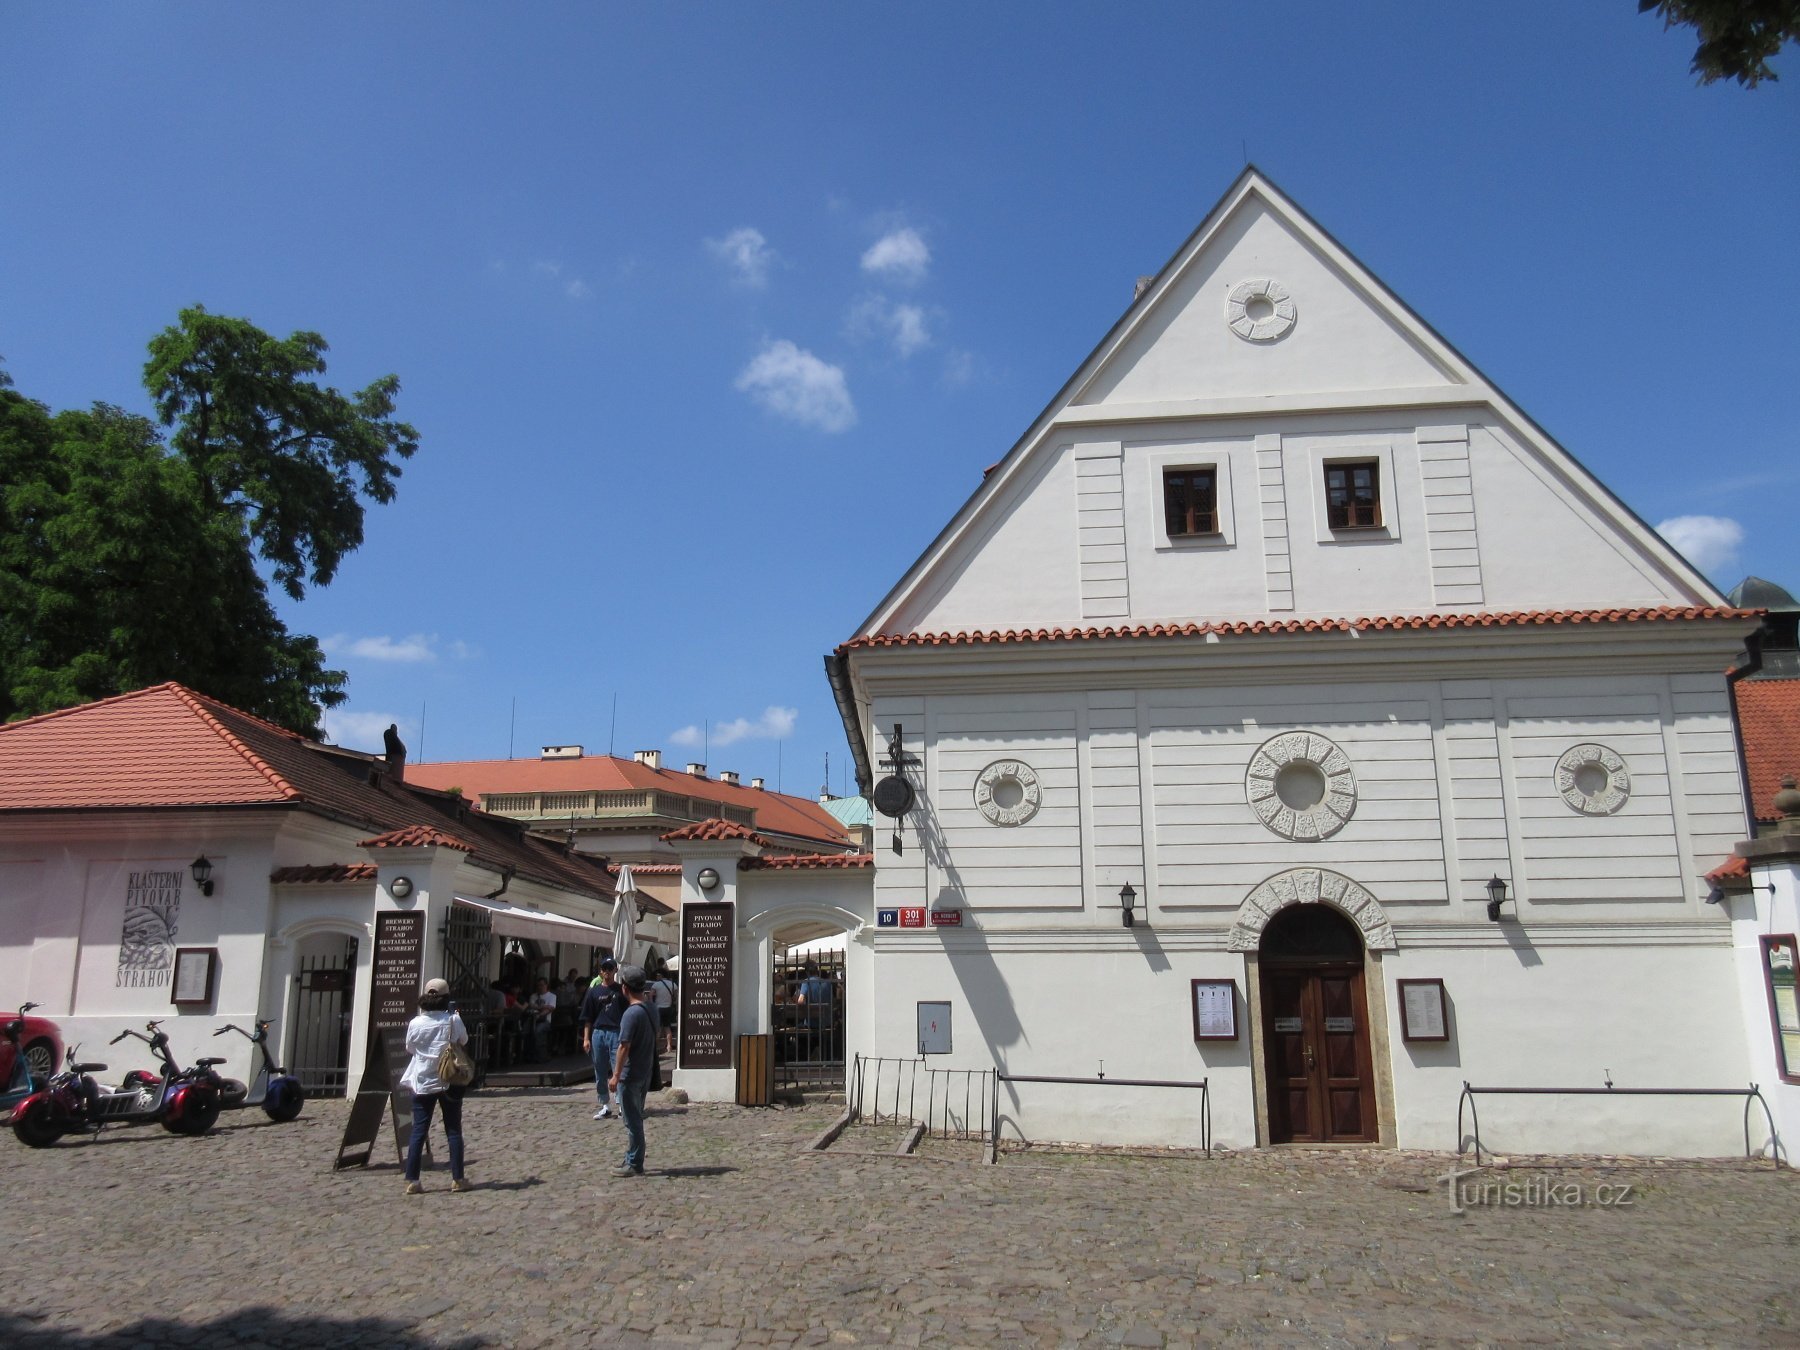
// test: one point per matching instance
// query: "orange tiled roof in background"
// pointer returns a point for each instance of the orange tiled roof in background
(1252, 627)
(776, 812)
(169, 748)
(1768, 713)
(712, 831)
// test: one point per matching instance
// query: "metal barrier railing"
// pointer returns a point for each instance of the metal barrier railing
(1753, 1093)
(1100, 1080)
(889, 1091)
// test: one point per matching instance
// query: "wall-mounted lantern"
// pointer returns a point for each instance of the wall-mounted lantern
(708, 878)
(203, 875)
(1127, 899)
(400, 887)
(1496, 889)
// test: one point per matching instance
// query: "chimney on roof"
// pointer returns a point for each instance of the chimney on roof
(757, 783)
(561, 752)
(697, 770)
(1143, 284)
(395, 750)
(650, 759)
(728, 776)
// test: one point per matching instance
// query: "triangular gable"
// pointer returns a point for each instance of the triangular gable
(1354, 350)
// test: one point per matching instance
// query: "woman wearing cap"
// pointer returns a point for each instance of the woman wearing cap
(426, 1036)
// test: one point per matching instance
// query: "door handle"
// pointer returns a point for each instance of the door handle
(1309, 1057)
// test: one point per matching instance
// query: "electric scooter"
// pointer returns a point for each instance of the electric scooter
(20, 1085)
(282, 1095)
(183, 1101)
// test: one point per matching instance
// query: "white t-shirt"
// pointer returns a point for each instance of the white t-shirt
(664, 996)
(426, 1036)
(545, 1004)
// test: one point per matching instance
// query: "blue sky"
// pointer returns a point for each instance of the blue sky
(710, 316)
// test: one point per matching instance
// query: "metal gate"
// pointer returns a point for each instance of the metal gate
(321, 1020)
(468, 956)
(808, 1020)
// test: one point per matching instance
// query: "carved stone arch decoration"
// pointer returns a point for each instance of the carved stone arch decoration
(1310, 886)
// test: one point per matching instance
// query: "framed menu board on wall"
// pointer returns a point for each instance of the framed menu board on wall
(1423, 1014)
(1215, 1010)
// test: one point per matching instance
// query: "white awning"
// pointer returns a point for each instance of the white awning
(514, 921)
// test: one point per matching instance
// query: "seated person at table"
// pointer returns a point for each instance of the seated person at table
(543, 1011)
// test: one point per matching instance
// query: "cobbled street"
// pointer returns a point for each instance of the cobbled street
(741, 1236)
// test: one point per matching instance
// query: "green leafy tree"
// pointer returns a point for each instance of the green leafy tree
(286, 455)
(1737, 37)
(123, 564)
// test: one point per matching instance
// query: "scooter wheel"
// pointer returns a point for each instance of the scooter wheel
(284, 1104)
(36, 1125)
(196, 1117)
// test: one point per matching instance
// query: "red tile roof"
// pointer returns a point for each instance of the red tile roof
(169, 748)
(649, 869)
(713, 831)
(776, 812)
(324, 874)
(417, 836)
(1768, 713)
(805, 861)
(1731, 870)
(1249, 627)
(163, 746)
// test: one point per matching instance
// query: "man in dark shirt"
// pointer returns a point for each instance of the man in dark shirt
(602, 1007)
(631, 1072)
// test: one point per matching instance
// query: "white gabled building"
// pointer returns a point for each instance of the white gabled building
(1283, 616)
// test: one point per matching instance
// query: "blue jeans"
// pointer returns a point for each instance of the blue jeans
(605, 1050)
(422, 1109)
(631, 1106)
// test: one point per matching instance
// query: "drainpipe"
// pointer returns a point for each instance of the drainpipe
(837, 670)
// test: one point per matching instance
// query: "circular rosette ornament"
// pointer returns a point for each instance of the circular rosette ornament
(1301, 786)
(1593, 779)
(1007, 792)
(1260, 311)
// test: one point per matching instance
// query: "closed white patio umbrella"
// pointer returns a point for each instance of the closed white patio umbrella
(624, 915)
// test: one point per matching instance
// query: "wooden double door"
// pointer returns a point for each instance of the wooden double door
(1319, 1072)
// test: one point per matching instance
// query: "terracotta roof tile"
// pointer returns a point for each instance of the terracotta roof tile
(713, 831)
(417, 836)
(776, 813)
(1250, 627)
(805, 862)
(649, 869)
(1768, 714)
(169, 748)
(324, 874)
(1731, 870)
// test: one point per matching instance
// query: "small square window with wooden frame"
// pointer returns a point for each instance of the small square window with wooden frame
(1353, 494)
(1191, 501)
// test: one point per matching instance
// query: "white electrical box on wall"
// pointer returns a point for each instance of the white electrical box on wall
(934, 1028)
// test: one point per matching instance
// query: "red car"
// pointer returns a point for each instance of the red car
(41, 1043)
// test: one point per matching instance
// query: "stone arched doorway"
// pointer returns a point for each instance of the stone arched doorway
(1318, 1060)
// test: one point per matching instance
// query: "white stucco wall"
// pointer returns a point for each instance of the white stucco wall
(1754, 914)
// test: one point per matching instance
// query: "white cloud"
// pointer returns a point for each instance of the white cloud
(1709, 542)
(576, 289)
(899, 255)
(748, 255)
(361, 730)
(960, 368)
(381, 647)
(544, 271)
(902, 325)
(775, 724)
(793, 383)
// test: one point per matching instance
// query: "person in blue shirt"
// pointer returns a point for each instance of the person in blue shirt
(601, 1009)
(635, 1064)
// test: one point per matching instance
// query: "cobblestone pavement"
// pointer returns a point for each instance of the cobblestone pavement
(740, 1236)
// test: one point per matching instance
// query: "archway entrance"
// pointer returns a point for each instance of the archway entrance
(1315, 1024)
(807, 983)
